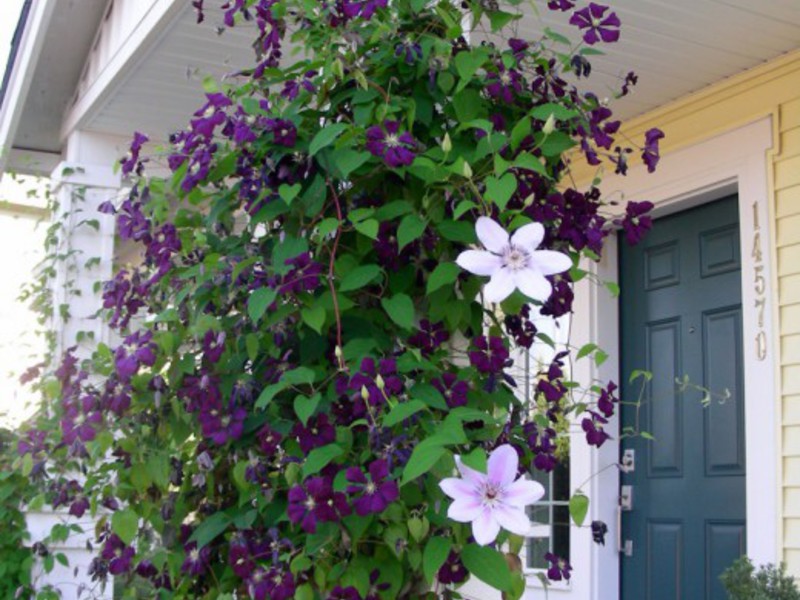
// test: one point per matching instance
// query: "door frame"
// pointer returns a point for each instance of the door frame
(737, 161)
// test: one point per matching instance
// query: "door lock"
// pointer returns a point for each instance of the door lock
(628, 464)
(626, 497)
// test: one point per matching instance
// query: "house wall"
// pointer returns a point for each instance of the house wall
(773, 90)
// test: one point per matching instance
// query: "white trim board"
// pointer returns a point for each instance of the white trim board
(736, 161)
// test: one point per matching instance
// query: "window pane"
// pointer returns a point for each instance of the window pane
(561, 527)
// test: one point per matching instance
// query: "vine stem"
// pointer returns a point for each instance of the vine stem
(339, 356)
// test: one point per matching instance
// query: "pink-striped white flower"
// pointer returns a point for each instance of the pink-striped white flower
(513, 262)
(492, 500)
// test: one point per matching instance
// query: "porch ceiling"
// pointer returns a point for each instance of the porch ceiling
(676, 47)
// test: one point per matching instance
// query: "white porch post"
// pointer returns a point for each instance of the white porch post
(81, 184)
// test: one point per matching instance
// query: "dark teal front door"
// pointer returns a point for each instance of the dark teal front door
(681, 316)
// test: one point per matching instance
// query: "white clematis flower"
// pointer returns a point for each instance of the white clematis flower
(513, 263)
(492, 500)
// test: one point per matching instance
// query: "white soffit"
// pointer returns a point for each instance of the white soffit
(675, 46)
(679, 46)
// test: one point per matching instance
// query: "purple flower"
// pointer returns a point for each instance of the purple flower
(292, 88)
(375, 588)
(315, 501)
(304, 276)
(563, 5)
(593, 427)
(452, 571)
(518, 47)
(490, 354)
(429, 337)
(636, 222)
(504, 84)
(521, 328)
(259, 584)
(410, 51)
(542, 443)
(650, 154)
(386, 141)
(136, 350)
(453, 389)
(607, 399)
(79, 507)
(631, 79)
(317, 432)
(559, 567)
(131, 222)
(373, 494)
(81, 417)
(34, 443)
(131, 161)
(599, 531)
(492, 500)
(117, 396)
(213, 345)
(364, 8)
(596, 25)
(197, 559)
(281, 583)
(269, 440)
(347, 593)
(118, 555)
(284, 133)
(222, 426)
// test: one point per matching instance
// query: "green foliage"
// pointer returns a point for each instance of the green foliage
(16, 559)
(743, 582)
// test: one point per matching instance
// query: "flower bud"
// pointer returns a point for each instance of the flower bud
(549, 124)
(447, 143)
(364, 393)
(380, 382)
(467, 170)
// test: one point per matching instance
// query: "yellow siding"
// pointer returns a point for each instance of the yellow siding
(772, 89)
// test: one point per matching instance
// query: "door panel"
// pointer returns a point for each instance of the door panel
(681, 320)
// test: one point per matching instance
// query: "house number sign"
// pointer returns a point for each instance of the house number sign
(759, 286)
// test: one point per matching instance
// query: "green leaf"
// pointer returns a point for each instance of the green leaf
(304, 407)
(520, 131)
(403, 411)
(556, 144)
(289, 192)
(259, 301)
(319, 458)
(499, 19)
(125, 523)
(476, 460)
(314, 317)
(369, 228)
(298, 376)
(429, 395)
(585, 350)
(268, 393)
(557, 37)
(500, 190)
(400, 309)
(210, 529)
(326, 137)
(436, 552)
(422, 459)
(578, 508)
(468, 63)
(531, 163)
(458, 231)
(488, 565)
(467, 104)
(359, 277)
(411, 228)
(444, 274)
(348, 160)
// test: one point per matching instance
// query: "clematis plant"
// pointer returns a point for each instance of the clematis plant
(513, 263)
(492, 500)
(306, 356)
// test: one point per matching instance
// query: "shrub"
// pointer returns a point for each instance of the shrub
(743, 582)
